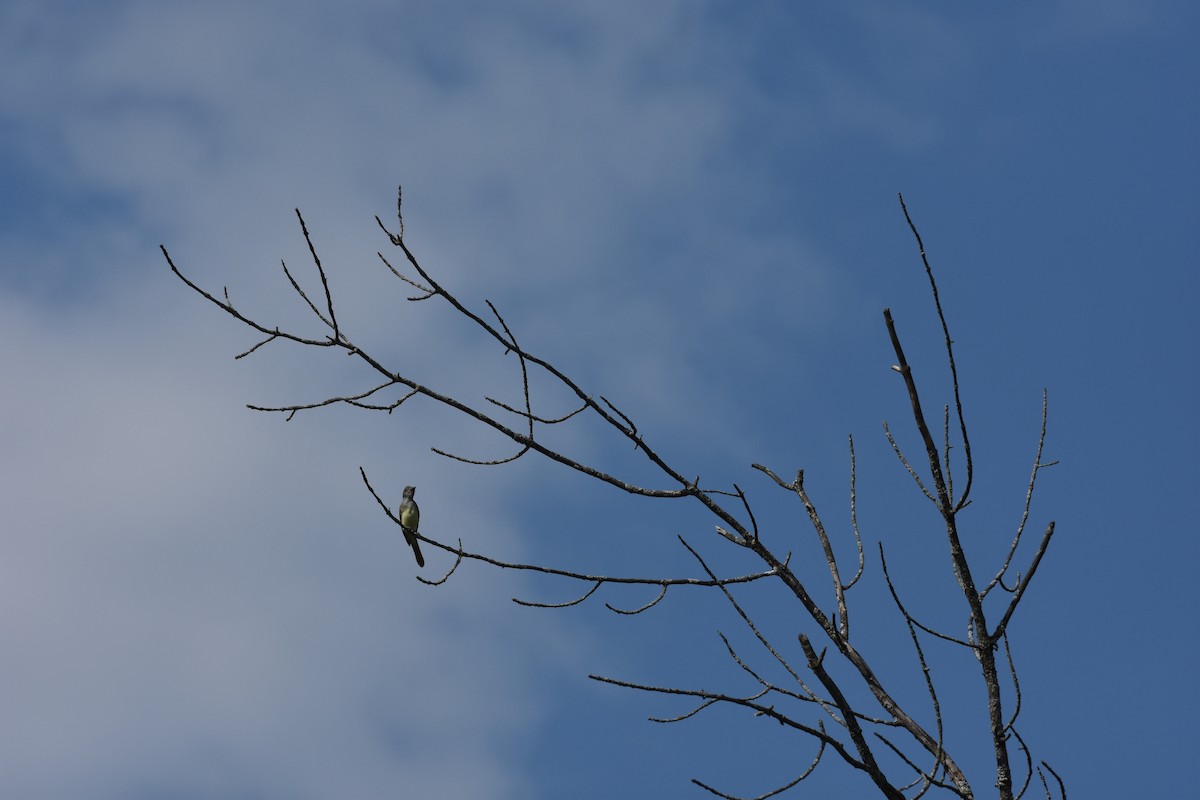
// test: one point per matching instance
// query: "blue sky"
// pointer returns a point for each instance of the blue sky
(691, 207)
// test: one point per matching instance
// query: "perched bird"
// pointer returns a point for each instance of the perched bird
(410, 518)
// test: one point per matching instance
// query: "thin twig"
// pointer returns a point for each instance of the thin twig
(1028, 763)
(903, 460)
(1062, 789)
(777, 791)
(661, 594)
(1038, 466)
(303, 296)
(962, 501)
(909, 617)
(333, 323)
(761, 710)
(854, 521)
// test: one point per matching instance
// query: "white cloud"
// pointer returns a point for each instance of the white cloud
(199, 599)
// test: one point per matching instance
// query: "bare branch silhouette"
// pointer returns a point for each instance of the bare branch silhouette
(829, 677)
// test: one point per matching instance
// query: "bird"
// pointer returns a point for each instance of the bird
(410, 518)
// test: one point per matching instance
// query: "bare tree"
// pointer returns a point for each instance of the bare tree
(833, 693)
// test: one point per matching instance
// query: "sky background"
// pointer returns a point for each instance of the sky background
(691, 208)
